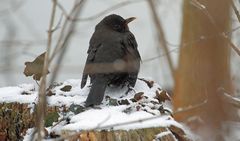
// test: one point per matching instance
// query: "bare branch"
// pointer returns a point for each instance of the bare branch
(229, 98)
(190, 107)
(187, 44)
(41, 106)
(114, 7)
(65, 36)
(161, 36)
(235, 11)
(205, 11)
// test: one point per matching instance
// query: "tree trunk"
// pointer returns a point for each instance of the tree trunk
(204, 64)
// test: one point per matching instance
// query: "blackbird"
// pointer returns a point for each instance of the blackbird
(113, 58)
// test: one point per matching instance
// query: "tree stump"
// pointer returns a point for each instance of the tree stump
(17, 115)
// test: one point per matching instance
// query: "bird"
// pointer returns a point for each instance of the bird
(113, 58)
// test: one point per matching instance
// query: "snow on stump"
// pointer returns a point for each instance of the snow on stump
(142, 114)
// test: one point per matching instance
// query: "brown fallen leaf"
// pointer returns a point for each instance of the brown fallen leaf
(162, 96)
(50, 93)
(179, 133)
(46, 132)
(35, 67)
(54, 135)
(138, 96)
(66, 88)
(149, 82)
(123, 102)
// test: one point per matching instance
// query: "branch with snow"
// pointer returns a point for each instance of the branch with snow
(226, 97)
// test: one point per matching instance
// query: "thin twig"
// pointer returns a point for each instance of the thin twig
(226, 97)
(161, 36)
(66, 34)
(104, 12)
(211, 19)
(235, 11)
(58, 24)
(41, 106)
(186, 44)
(191, 107)
(61, 39)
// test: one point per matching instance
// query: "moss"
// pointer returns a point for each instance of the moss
(50, 118)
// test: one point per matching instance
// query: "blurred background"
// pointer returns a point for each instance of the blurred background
(24, 26)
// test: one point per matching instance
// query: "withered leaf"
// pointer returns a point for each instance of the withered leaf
(35, 67)
(45, 132)
(25, 93)
(162, 95)
(107, 97)
(123, 102)
(178, 133)
(66, 88)
(149, 82)
(162, 110)
(138, 96)
(50, 93)
(127, 110)
(76, 109)
(113, 102)
(54, 135)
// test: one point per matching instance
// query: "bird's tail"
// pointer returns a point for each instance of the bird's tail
(84, 80)
(97, 91)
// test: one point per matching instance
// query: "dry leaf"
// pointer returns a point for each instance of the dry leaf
(138, 96)
(123, 102)
(35, 67)
(162, 96)
(149, 82)
(66, 88)
(178, 133)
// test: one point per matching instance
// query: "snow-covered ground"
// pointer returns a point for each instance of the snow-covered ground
(146, 106)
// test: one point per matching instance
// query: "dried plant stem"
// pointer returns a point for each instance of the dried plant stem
(65, 36)
(235, 11)
(65, 30)
(228, 98)
(41, 106)
(161, 36)
(114, 7)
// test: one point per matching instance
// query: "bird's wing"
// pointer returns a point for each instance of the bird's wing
(131, 44)
(133, 56)
(91, 55)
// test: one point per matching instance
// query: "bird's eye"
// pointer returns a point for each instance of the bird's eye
(116, 26)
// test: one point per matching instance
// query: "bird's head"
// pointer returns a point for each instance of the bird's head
(116, 23)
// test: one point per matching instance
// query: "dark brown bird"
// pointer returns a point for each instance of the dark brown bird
(113, 58)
